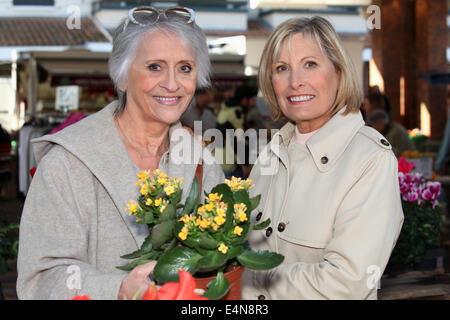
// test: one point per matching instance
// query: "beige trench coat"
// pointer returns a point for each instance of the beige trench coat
(335, 212)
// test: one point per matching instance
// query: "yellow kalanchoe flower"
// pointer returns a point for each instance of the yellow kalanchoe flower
(184, 218)
(214, 197)
(149, 202)
(223, 248)
(238, 230)
(143, 175)
(220, 211)
(205, 223)
(132, 207)
(209, 207)
(144, 189)
(183, 233)
(158, 202)
(201, 209)
(169, 190)
(241, 216)
(162, 181)
(220, 220)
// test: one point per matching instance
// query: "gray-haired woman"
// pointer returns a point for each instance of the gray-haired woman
(74, 228)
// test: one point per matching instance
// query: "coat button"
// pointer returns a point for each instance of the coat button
(269, 231)
(281, 226)
(258, 217)
(384, 142)
(324, 160)
(261, 297)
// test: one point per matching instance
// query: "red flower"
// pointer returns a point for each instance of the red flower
(32, 171)
(81, 297)
(183, 290)
(404, 166)
(150, 294)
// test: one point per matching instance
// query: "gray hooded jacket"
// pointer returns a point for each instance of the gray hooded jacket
(74, 228)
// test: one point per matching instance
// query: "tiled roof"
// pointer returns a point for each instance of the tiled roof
(47, 32)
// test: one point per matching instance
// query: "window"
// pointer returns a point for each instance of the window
(34, 2)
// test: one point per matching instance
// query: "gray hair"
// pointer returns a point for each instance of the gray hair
(126, 43)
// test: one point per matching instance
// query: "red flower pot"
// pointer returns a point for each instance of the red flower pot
(234, 276)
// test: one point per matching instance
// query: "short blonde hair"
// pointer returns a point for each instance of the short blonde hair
(349, 94)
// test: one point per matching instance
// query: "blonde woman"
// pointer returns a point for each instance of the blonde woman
(328, 182)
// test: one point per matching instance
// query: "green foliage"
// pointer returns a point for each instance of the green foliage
(218, 287)
(421, 230)
(9, 243)
(203, 239)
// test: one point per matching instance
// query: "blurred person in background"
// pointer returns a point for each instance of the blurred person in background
(232, 116)
(199, 110)
(377, 116)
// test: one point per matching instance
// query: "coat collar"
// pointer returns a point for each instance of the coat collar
(96, 142)
(328, 143)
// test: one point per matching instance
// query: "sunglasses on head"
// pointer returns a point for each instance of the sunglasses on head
(144, 16)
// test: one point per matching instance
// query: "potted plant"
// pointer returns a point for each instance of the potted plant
(208, 240)
(423, 219)
(8, 247)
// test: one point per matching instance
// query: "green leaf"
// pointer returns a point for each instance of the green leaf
(166, 270)
(15, 248)
(225, 191)
(192, 199)
(218, 287)
(233, 252)
(206, 241)
(148, 217)
(212, 261)
(147, 244)
(241, 196)
(229, 218)
(176, 197)
(168, 213)
(12, 226)
(260, 259)
(162, 233)
(232, 238)
(262, 225)
(254, 202)
(151, 256)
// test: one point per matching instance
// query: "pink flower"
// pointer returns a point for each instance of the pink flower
(412, 196)
(427, 194)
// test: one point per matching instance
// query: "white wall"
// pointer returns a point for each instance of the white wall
(60, 9)
(255, 47)
(343, 23)
(207, 20)
(6, 102)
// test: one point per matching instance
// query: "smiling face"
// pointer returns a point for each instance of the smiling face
(161, 78)
(305, 82)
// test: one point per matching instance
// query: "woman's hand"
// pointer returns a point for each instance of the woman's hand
(137, 280)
